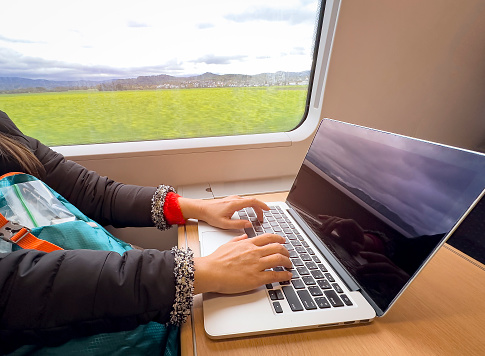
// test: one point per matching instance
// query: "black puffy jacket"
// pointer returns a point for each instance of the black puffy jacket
(49, 298)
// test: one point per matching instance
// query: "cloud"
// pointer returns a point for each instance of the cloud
(135, 24)
(292, 16)
(204, 26)
(14, 40)
(171, 65)
(298, 51)
(14, 64)
(306, 2)
(213, 59)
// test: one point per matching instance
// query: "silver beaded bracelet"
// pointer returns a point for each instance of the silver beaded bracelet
(158, 201)
(184, 285)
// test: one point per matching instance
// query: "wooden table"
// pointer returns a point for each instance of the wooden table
(441, 313)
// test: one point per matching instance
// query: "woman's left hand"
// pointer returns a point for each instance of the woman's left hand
(218, 212)
(242, 264)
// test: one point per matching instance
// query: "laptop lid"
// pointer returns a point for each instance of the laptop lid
(382, 203)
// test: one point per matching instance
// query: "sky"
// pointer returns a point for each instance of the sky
(429, 191)
(106, 39)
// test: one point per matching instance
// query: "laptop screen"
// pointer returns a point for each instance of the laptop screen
(381, 202)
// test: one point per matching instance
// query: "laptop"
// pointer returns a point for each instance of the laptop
(366, 212)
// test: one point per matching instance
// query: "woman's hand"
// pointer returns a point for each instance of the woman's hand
(242, 264)
(218, 212)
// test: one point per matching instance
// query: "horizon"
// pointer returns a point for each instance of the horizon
(154, 75)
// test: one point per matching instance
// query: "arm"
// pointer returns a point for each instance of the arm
(49, 298)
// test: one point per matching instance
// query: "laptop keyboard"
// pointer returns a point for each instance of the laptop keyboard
(312, 286)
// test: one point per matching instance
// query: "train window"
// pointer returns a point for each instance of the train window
(108, 71)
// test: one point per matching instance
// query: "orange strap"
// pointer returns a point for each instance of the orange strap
(10, 174)
(21, 236)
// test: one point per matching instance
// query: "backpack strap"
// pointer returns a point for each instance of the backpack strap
(20, 235)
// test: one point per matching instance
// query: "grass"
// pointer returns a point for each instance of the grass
(83, 117)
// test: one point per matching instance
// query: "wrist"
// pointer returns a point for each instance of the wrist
(190, 208)
(204, 280)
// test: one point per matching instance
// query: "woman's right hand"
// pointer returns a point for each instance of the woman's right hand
(218, 212)
(242, 264)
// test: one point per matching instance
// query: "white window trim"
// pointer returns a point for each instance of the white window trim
(186, 158)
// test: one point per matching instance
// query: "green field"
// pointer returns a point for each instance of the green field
(80, 117)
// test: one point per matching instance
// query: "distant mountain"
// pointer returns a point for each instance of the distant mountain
(13, 83)
(162, 81)
(207, 80)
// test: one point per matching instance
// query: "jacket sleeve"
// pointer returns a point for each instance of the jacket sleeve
(82, 292)
(102, 199)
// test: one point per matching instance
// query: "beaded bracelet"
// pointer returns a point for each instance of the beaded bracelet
(158, 202)
(184, 285)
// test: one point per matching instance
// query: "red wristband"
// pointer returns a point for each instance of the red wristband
(172, 211)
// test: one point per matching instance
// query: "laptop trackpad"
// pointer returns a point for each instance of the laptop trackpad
(211, 240)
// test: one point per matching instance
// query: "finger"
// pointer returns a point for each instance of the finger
(239, 203)
(329, 225)
(275, 276)
(350, 225)
(356, 247)
(259, 213)
(257, 205)
(259, 209)
(265, 239)
(275, 260)
(239, 238)
(235, 224)
(273, 248)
